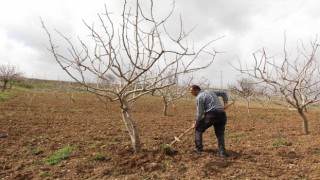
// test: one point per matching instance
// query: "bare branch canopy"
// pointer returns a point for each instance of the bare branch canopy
(296, 75)
(126, 59)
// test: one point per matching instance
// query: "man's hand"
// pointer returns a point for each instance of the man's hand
(194, 126)
(228, 105)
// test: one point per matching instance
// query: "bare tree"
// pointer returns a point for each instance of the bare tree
(8, 75)
(262, 96)
(175, 92)
(297, 79)
(138, 54)
(244, 88)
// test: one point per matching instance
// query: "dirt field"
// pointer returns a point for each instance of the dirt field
(265, 144)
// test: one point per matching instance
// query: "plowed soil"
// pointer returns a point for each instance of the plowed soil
(34, 125)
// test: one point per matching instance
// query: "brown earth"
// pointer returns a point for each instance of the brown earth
(265, 144)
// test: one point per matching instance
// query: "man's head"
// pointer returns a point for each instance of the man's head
(194, 90)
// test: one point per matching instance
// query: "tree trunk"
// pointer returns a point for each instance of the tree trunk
(4, 85)
(131, 127)
(165, 109)
(248, 106)
(11, 83)
(165, 106)
(305, 128)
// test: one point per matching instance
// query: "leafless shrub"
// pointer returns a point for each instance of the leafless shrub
(244, 88)
(263, 96)
(8, 75)
(177, 91)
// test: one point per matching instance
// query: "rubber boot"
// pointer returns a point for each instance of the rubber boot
(198, 142)
(221, 145)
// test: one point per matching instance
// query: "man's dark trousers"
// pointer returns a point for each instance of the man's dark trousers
(218, 120)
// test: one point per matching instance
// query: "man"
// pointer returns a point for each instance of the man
(209, 113)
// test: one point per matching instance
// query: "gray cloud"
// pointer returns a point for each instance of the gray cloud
(248, 25)
(32, 34)
(215, 17)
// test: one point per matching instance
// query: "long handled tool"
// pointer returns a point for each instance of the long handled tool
(228, 105)
(166, 147)
(176, 139)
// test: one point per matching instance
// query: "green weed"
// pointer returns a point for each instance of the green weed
(75, 111)
(60, 155)
(43, 173)
(280, 142)
(56, 110)
(236, 136)
(100, 157)
(28, 85)
(5, 96)
(165, 147)
(36, 151)
(114, 140)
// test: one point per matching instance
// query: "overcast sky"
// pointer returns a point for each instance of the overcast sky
(248, 25)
